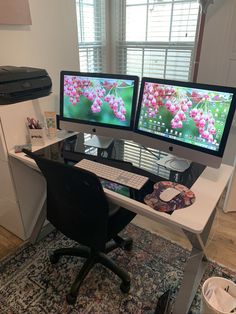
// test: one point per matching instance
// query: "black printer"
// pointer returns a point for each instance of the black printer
(23, 83)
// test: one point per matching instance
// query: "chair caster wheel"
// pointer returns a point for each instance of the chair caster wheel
(125, 286)
(71, 299)
(128, 245)
(54, 258)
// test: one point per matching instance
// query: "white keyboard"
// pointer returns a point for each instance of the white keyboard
(123, 177)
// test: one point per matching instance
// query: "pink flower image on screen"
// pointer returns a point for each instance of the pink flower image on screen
(182, 104)
(97, 92)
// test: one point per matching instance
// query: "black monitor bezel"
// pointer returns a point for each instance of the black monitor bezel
(219, 88)
(100, 75)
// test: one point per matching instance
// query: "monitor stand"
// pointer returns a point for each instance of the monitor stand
(174, 163)
(101, 142)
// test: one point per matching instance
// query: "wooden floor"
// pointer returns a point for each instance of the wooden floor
(8, 242)
(221, 245)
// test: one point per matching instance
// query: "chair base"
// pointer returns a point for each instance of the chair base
(94, 257)
(125, 244)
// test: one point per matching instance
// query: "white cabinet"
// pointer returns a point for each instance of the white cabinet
(3, 149)
(22, 190)
(7, 189)
(10, 217)
(31, 193)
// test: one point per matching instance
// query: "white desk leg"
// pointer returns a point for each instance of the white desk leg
(194, 269)
(39, 224)
(230, 198)
(39, 232)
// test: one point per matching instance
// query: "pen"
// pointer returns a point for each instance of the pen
(33, 124)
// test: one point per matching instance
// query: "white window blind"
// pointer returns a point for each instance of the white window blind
(91, 34)
(156, 38)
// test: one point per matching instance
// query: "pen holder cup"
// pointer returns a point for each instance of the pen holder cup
(37, 136)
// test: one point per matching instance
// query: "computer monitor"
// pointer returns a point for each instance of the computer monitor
(96, 103)
(188, 120)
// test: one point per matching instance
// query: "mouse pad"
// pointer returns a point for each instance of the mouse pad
(182, 200)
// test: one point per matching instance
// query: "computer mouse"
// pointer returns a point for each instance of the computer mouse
(168, 194)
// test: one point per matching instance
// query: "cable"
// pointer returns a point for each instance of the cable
(148, 150)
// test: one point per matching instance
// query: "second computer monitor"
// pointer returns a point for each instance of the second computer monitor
(189, 120)
(100, 104)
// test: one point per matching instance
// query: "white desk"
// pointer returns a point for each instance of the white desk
(195, 221)
(30, 191)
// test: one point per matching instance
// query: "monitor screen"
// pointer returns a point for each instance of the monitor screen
(186, 117)
(96, 103)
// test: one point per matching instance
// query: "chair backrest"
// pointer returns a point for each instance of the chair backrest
(76, 202)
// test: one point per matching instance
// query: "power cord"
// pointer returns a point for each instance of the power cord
(151, 152)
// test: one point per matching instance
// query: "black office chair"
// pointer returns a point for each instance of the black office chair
(77, 206)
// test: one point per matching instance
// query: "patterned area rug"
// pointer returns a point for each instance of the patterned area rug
(30, 284)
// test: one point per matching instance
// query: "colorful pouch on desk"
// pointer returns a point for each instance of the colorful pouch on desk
(118, 188)
(182, 200)
(19, 148)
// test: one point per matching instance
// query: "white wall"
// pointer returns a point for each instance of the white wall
(218, 66)
(218, 56)
(49, 43)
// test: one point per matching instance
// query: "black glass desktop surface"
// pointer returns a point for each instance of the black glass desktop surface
(74, 149)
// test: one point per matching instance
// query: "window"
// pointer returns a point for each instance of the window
(91, 34)
(154, 38)
(158, 38)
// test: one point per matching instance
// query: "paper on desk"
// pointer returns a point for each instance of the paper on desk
(220, 299)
